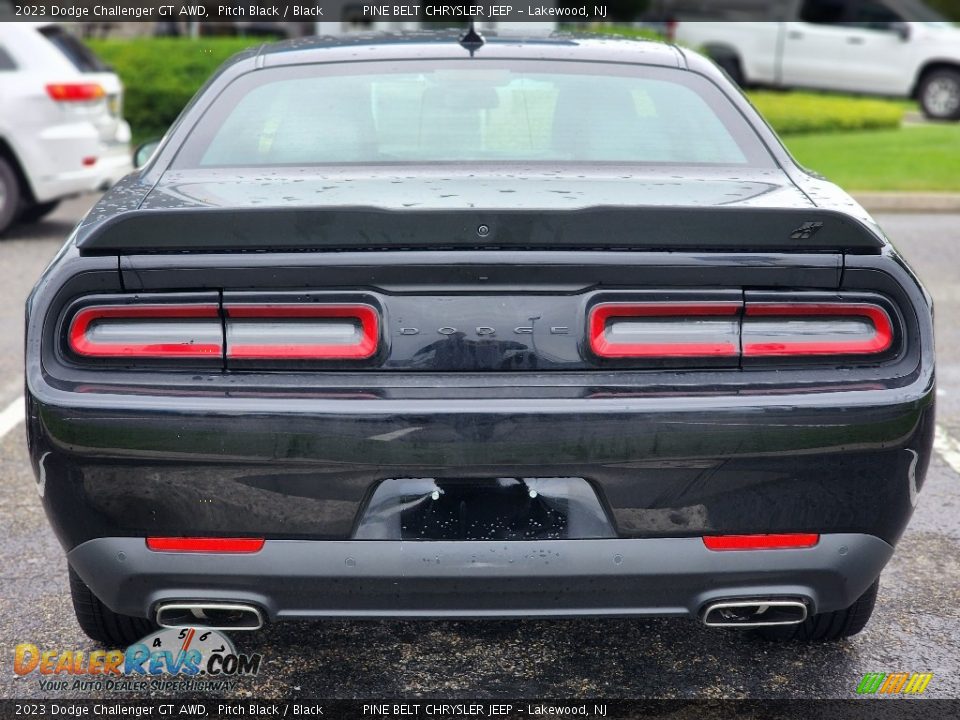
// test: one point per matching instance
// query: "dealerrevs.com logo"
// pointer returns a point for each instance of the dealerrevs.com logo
(189, 658)
(894, 683)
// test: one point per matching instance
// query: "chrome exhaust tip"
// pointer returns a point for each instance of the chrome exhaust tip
(216, 616)
(754, 613)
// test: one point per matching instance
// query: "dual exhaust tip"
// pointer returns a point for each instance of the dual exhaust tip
(724, 613)
(754, 613)
(216, 616)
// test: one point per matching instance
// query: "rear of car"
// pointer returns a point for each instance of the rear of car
(61, 129)
(555, 329)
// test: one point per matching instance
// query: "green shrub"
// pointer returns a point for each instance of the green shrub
(160, 75)
(618, 31)
(797, 113)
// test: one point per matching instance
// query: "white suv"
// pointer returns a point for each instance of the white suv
(61, 129)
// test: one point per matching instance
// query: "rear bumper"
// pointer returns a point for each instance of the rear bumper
(310, 579)
(304, 469)
(58, 170)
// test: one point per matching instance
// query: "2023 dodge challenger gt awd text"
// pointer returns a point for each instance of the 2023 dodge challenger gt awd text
(404, 326)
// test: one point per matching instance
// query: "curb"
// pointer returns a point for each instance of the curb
(897, 202)
(915, 117)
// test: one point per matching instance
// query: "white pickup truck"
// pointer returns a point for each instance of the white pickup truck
(895, 48)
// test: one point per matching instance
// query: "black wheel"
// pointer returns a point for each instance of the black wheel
(9, 195)
(102, 624)
(730, 64)
(825, 627)
(37, 212)
(939, 94)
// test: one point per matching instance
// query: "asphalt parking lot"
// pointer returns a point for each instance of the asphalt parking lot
(915, 628)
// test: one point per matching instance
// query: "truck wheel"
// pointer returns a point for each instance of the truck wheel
(102, 624)
(730, 64)
(9, 195)
(35, 213)
(940, 94)
(824, 627)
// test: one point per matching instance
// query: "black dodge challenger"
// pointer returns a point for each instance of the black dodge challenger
(443, 326)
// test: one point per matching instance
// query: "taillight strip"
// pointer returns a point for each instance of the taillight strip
(364, 346)
(205, 544)
(603, 346)
(75, 92)
(880, 341)
(82, 344)
(780, 541)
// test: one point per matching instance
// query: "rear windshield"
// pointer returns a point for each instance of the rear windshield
(80, 56)
(471, 111)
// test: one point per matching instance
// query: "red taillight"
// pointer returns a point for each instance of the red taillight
(205, 544)
(147, 331)
(75, 92)
(795, 329)
(301, 332)
(780, 541)
(665, 329)
(767, 328)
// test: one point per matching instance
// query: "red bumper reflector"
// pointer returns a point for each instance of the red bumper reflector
(119, 330)
(75, 92)
(277, 332)
(205, 544)
(89, 161)
(873, 342)
(705, 329)
(761, 542)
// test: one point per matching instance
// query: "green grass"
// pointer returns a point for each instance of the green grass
(910, 159)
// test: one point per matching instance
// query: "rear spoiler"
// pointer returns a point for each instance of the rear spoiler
(736, 229)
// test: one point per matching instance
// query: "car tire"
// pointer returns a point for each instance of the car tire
(825, 627)
(102, 624)
(35, 213)
(9, 195)
(939, 94)
(730, 64)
